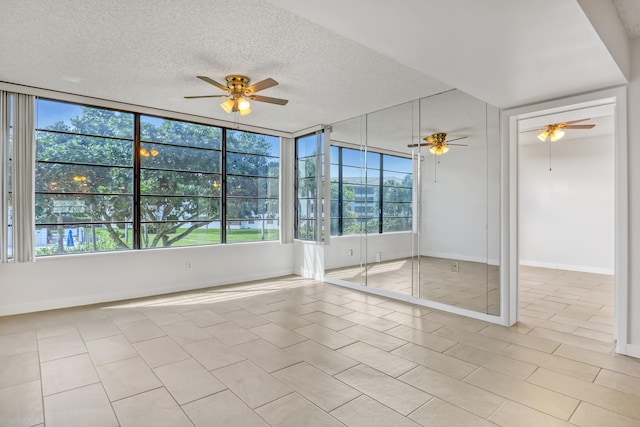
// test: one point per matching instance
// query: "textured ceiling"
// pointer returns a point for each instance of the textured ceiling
(355, 57)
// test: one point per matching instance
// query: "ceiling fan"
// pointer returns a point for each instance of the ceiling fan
(438, 143)
(555, 131)
(239, 92)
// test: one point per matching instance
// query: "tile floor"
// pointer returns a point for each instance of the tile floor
(297, 352)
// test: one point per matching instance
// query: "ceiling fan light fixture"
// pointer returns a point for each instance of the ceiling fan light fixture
(245, 112)
(438, 150)
(228, 105)
(244, 105)
(557, 134)
(542, 136)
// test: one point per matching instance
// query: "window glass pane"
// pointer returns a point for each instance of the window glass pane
(157, 182)
(170, 234)
(352, 157)
(373, 160)
(252, 208)
(307, 167)
(397, 179)
(307, 146)
(252, 186)
(252, 231)
(352, 175)
(157, 156)
(399, 164)
(66, 148)
(73, 118)
(246, 142)
(156, 129)
(84, 184)
(72, 238)
(306, 229)
(396, 224)
(165, 208)
(249, 164)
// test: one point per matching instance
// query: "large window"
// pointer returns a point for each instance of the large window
(374, 199)
(84, 178)
(109, 180)
(308, 185)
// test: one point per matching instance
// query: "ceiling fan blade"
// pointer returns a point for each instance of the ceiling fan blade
(455, 139)
(419, 145)
(269, 99)
(580, 126)
(459, 145)
(575, 121)
(206, 96)
(532, 130)
(264, 84)
(213, 82)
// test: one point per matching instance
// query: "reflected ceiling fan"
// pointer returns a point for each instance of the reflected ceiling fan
(239, 92)
(438, 143)
(555, 131)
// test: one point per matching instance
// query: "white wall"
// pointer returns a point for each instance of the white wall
(70, 280)
(390, 245)
(567, 214)
(634, 200)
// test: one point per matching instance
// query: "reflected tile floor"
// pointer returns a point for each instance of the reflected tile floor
(298, 352)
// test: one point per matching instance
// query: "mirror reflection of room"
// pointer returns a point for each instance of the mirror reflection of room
(411, 221)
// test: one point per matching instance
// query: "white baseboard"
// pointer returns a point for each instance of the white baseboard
(78, 301)
(579, 268)
(633, 350)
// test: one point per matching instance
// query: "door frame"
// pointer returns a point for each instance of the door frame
(510, 193)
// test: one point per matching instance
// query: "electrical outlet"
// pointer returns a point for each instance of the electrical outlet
(350, 252)
(189, 265)
(455, 267)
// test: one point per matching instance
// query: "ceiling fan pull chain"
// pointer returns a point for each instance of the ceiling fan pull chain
(549, 156)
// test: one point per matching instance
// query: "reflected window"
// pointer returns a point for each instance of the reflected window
(375, 198)
(308, 185)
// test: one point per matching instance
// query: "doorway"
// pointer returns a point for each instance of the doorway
(580, 275)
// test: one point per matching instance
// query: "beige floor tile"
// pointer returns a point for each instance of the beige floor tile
(406, 308)
(204, 317)
(110, 349)
(120, 316)
(187, 381)
(213, 354)
(551, 361)
(436, 361)
(596, 394)
(321, 389)
(464, 323)
(17, 324)
(373, 322)
(295, 411)
(534, 322)
(529, 341)
(160, 351)
(266, 355)
(225, 408)
(251, 384)
(95, 329)
(605, 337)
(424, 325)
(327, 307)
(370, 309)
(292, 307)
(493, 361)
(465, 396)
(322, 357)
(68, 373)
(126, 378)
(21, 405)
(328, 321)
(20, 343)
(588, 415)
(372, 337)
(60, 346)
(470, 338)
(385, 389)
(48, 331)
(282, 318)
(141, 330)
(164, 316)
(325, 336)
(622, 364)
(388, 363)
(617, 381)
(438, 413)
(332, 298)
(86, 406)
(275, 334)
(19, 369)
(528, 394)
(574, 340)
(366, 412)
(185, 332)
(424, 339)
(514, 414)
(155, 408)
(587, 324)
(230, 333)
